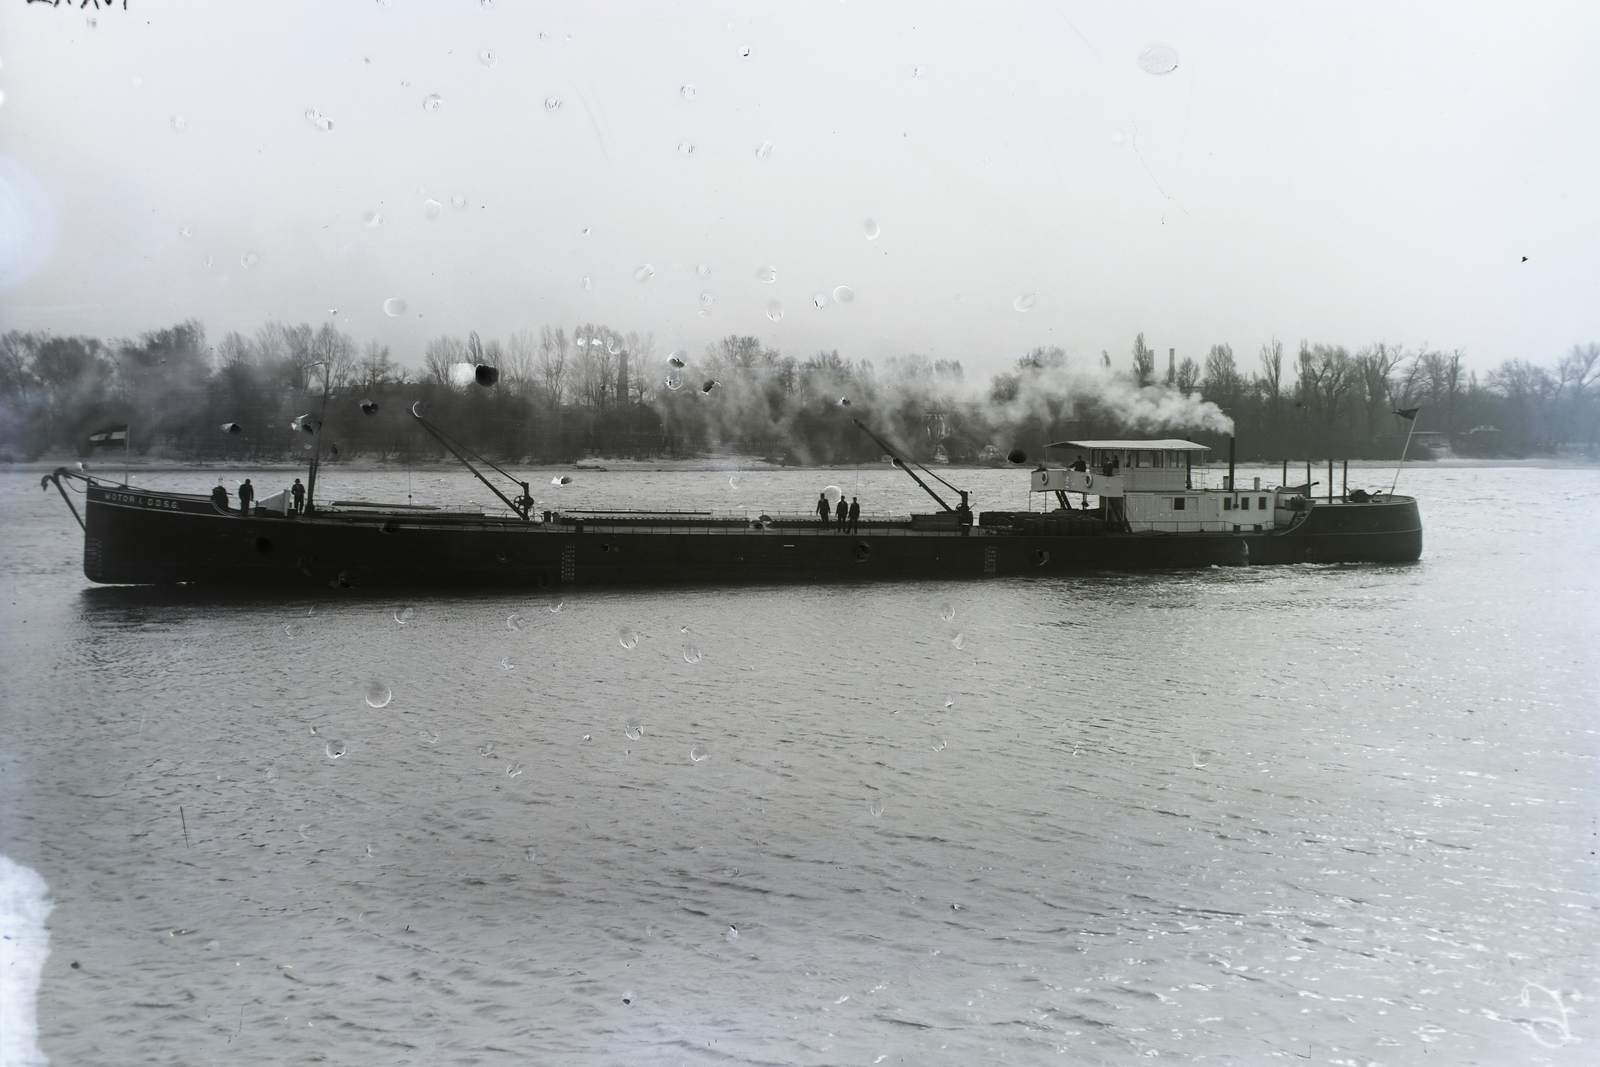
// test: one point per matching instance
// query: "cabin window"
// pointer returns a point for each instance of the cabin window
(1158, 459)
(1145, 460)
(1177, 503)
(1244, 504)
(1227, 503)
(1262, 503)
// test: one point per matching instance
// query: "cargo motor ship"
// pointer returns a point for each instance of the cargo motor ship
(1115, 505)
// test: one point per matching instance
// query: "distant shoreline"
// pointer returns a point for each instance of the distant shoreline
(109, 466)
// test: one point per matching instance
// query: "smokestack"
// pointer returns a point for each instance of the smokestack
(1230, 463)
(1172, 366)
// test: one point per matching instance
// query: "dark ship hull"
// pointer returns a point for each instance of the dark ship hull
(139, 537)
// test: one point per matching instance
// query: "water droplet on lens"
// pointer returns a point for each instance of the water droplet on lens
(643, 274)
(378, 695)
(486, 749)
(958, 640)
(486, 57)
(689, 92)
(949, 702)
(179, 122)
(513, 621)
(686, 148)
(708, 299)
(844, 402)
(1119, 137)
(552, 103)
(876, 808)
(186, 230)
(394, 306)
(506, 664)
(335, 749)
(939, 746)
(1023, 302)
(1202, 756)
(767, 275)
(734, 479)
(557, 606)
(843, 294)
(820, 300)
(628, 637)
(404, 615)
(513, 770)
(703, 269)
(697, 754)
(271, 774)
(765, 151)
(587, 284)
(372, 219)
(745, 51)
(731, 934)
(633, 732)
(317, 119)
(249, 259)
(871, 229)
(917, 72)
(691, 654)
(774, 311)
(673, 382)
(947, 612)
(627, 996)
(431, 208)
(458, 201)
(1159, 59)
(432, 103)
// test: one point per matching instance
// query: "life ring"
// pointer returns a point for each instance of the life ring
(1088, 481)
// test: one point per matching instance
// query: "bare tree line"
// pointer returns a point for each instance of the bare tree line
(596, 390)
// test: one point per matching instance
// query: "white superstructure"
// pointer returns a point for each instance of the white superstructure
(1151, 486)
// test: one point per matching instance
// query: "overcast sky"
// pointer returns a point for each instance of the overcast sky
(1344, 173)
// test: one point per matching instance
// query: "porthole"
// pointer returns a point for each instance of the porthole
(263, 545)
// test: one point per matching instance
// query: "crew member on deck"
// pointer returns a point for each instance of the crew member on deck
(219, 497)
(298, 491)
(1079, 465)
(823, 511)
(247, 494)
(855, 514)
(843, 515)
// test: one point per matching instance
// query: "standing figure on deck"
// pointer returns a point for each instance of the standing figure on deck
(219, 497)
(247, 494)
(823, 511)
(298, 492)
(855, 514)
(842, 513)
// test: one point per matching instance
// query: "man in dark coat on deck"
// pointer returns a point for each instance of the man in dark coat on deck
(247, 495)
(855, 514)
(823, 511)
(298, 491)
(842, 513)
(219, 497)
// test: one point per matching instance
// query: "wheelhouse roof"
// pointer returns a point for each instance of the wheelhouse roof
(1130, 446)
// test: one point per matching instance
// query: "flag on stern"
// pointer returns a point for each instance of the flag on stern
(1409, 414)
(110, 435)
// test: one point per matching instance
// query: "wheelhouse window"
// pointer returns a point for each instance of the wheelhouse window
(1177, 503)
(1262, 503)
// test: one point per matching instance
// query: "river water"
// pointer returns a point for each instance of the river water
(1341, 815)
